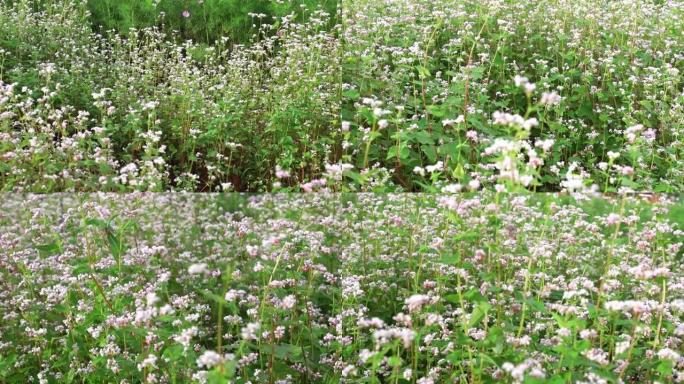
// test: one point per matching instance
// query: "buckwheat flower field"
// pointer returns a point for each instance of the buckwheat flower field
(342, 288)
(546, 94)
(84, 111)
(341, 191)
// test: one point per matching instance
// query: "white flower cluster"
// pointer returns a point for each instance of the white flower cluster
(210, 359)
(518, 371)
(525, 84)
(511, 120)
(384, 336)
(335, 171)
(417, 301)
(626, 306)
(550, 98)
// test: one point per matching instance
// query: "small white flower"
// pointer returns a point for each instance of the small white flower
(415, 302)
(250, 331)
(196, 269)
(289, 302)
(669, 354)
(209, 359)
(349, 370)
(452, 188)
(407, 374)
(550, 98)
(382, 124)
(435, 168)
(152, 299)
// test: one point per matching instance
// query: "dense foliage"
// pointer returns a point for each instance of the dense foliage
(317, 288)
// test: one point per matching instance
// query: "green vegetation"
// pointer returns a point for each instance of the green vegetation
(204, 21)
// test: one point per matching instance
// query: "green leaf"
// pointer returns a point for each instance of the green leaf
(391, 153)
(629, 183)
(477, 73)
(436, 110)
(423, 72)
(478, 314)
(116, 246)
(352, 94)
(474, 296)
(286, 352)
(665, 367)
(452, 259)
(394, 361)
(430, 152)
(404, 152)
(357, 177)
(49, 249)
(488, 359)
(423, 137)
(174, 352)
(97, 223)
(536, 305)
(448, 149)
(496, 336)
(452, 298)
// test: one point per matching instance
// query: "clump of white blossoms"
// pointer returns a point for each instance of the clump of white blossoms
(573, 182)
(437, 167)
(384, 336)
(452, 188)
(210, 359)
(416, 302)
(507, 163)
(186, 336)
(451, 122)
(288, 302)
(525, 84)
(669, 354)
(517, 372)
(632, 132)
(281, 173)
(198, 269)
(550, 98)
(511, 120)
(335, 171)
(250, 332)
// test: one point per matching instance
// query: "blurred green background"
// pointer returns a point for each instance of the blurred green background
(203, 21)
(200, 20)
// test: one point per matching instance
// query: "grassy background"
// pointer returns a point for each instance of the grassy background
(208, 19)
